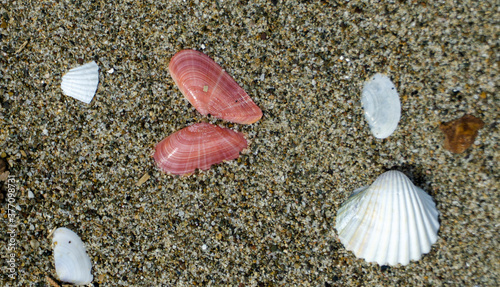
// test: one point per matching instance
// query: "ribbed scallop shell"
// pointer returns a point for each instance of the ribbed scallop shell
(210, 89)
(390, 222)
(382, 107)
(81, 82)
(72, 262)
(198, 146)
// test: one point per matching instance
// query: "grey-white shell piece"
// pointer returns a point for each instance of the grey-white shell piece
(81, 82)
(390, 222)
(72, 262)
(382, 107)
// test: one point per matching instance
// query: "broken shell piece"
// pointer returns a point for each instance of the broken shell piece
(382, 107)
(72, 262)
(210, 89)
(52, 282)
(390, 222)
(461, 133)
(198, 146)
(81, 82)
(143, 179)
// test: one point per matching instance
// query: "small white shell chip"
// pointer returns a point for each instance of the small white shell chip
(72, 262)
(382, 107)
(81, 82)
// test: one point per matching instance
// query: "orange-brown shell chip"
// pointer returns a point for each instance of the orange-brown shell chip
(460, 133)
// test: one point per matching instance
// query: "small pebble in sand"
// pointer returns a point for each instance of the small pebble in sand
(3, 165)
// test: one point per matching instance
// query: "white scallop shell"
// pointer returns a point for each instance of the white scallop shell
(81, 82)
(390, 222)
(72, 262)
(382, 107)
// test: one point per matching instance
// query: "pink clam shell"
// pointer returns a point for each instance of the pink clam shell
(198, 146)
(210, 89)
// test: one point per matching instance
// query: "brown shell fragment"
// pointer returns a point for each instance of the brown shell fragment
(460, 133)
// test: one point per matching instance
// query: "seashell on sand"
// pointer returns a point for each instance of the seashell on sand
(461, 133)
(198, 146)
(390, 222)
(72, 262)
(210, 89)
(382, 107)
(81, 82)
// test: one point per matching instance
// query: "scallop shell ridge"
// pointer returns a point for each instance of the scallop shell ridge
(72, 263)
(390, 222)
(210, 89)
(81, 82)
(198, 146)
(381, 105)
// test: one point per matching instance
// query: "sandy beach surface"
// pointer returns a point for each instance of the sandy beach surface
(267, 218)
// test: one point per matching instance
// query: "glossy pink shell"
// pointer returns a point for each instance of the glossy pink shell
(210, 89)
(198, 146)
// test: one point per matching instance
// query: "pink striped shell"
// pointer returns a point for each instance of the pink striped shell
(198, 146)
(210, 89)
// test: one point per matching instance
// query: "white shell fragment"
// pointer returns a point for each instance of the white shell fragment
(382, 107)
(390, 222)
(72, 262)
(81, 82)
